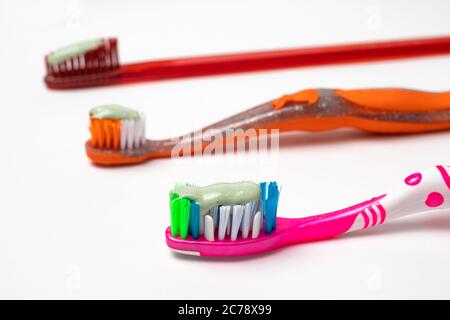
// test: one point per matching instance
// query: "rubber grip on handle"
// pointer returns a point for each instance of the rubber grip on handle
(397, 99)
(309, 96)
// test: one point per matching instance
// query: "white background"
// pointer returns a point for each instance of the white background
(69, 229)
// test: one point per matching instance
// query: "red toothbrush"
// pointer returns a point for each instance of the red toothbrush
(96, 63)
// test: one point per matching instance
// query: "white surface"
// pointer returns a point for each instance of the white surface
(69, 229)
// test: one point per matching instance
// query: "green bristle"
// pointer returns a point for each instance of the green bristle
(173, 196)
(174, 214)
(185, 209)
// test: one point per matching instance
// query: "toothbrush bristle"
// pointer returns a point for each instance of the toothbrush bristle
(223, 222)
(117, 134)
(102, 58)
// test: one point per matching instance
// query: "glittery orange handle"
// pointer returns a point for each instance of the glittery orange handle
(389, 110)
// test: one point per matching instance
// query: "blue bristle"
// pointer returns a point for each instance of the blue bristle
(274, 194)
(269, 204)
(190, 221)
(263, 197)
(263, 188)
(194, 220)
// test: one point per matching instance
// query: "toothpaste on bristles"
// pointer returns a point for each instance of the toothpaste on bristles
(116, 127)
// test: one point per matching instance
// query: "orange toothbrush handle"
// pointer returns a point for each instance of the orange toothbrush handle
(398, 99)
(389, 110)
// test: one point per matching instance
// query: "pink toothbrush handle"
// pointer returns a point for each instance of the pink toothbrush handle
(424, 191)
(364, 215)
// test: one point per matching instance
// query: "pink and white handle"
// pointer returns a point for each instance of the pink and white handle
(420, 192)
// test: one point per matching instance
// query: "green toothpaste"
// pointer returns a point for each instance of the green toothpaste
(114, 111)
(72, 51)
(219, 194)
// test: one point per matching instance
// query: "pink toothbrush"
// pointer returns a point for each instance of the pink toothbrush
(249, 228)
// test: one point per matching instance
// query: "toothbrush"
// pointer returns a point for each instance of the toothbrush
(96, 62)
(118, 133)
(240, 227)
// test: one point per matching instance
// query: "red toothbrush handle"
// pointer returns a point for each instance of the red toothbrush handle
(277, 59)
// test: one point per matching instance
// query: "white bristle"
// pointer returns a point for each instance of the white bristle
(246, 219)
(132, 133)
(142, 129)
(256, 225)
(236, 221)
(137, 133)
(261, 219)
(232, 220)
(223, 221)
(82, 62)
(123, 134)
(76, 64)
(209, 228)
(215, 215)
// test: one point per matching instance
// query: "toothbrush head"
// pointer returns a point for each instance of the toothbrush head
(223, 219)
(82, 64)
(117, 135)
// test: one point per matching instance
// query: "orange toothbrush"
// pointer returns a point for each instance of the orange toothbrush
(118, 133)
